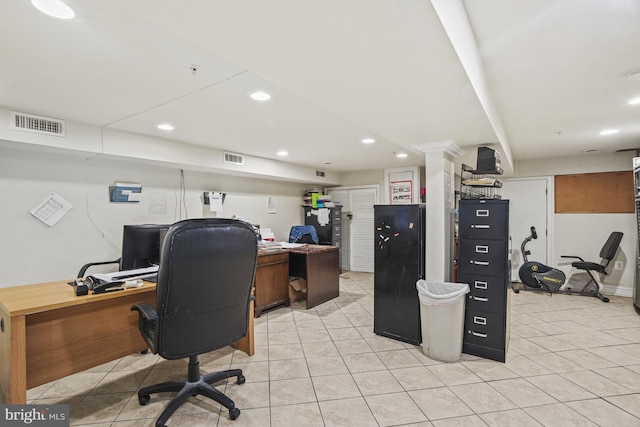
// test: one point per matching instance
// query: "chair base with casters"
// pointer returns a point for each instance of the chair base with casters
(195, 384)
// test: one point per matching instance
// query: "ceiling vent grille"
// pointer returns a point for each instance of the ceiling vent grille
(320, 173)
(37, 124)
(235, 159)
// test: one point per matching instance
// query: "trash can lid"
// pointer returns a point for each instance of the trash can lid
(435, 293)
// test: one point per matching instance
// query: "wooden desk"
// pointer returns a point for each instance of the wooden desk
(272, 280)
(46, 333)
(320, 266)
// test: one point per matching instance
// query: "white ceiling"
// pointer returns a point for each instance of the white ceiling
(542, 79)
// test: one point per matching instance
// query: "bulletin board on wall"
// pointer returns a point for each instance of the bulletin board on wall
(604, 192)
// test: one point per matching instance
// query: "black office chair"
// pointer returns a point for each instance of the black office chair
(607, 253)
(206, 273)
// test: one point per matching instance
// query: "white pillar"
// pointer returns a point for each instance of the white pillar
(440, 205)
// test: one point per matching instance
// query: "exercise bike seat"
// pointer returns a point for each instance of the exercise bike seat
(587, 265)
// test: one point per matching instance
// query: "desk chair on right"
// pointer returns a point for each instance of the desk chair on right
(203, 292)
(607, 253)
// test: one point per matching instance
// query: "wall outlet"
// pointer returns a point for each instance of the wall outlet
(618, 265)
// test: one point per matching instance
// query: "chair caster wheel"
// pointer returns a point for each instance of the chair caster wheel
(234, 413)
(241, 379)
(143, 400)
(605, 299)
(517, 291)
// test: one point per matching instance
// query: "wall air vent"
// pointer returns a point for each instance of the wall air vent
(235, 159)
(320, 173)
(37, 124)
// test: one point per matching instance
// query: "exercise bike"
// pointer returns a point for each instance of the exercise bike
(535, 275)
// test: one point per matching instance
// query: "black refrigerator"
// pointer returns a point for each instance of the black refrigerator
(398, 264)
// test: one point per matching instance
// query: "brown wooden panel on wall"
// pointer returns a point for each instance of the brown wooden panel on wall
(605, 192)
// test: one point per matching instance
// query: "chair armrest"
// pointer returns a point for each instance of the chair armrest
(571, 256)
(148, 324)
(84, 268)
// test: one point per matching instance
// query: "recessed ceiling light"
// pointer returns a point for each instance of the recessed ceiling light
(591, 150)
(635, 101)
(282, 153)
(260, 95)
(166, 126)
(609, 132)
(367, 140)
(401, 155)
(55, 8)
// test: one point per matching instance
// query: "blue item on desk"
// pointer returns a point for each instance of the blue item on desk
(303, 234)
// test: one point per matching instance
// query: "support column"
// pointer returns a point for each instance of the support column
(440, 205)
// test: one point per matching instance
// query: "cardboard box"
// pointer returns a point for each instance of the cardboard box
(297, 289)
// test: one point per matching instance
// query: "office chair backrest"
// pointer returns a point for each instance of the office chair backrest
(206, 273)
(610, 247)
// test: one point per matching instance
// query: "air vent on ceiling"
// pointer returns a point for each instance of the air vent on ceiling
(319, 173)
(235, 159)
(37, 124)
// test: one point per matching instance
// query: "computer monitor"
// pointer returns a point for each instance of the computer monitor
(141, 245)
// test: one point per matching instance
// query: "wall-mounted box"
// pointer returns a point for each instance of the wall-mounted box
(125, 192)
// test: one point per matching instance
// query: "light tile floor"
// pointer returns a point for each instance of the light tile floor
(572, 361)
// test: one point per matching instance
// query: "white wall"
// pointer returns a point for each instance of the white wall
(92, 230)
(584, 234)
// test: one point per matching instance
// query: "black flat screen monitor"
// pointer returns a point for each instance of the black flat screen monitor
(141, 245)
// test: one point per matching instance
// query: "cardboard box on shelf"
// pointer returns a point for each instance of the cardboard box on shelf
(297, 289)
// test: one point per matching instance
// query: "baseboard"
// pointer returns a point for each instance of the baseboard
(617, 290)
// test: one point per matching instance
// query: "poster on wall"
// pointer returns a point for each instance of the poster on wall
(401, 192)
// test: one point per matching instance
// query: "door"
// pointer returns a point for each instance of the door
(528, 207)
(357, 209)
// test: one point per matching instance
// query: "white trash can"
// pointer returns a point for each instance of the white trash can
(442, 318)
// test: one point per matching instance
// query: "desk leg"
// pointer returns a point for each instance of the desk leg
(246, 344)
(13, 365)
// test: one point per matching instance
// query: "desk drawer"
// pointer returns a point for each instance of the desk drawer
(487, 293)
(485, 329)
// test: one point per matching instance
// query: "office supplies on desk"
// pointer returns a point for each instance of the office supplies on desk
(108, 282)
(119, 276)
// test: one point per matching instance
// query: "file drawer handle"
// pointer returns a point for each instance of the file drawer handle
(485, 226)
(482, 249)
(479, 262)
(480, 285)
(478, 334)
(482, 212)
(480, 299)
(479, 320)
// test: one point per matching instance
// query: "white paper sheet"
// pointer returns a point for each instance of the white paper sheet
(51, 210)
(215, 201)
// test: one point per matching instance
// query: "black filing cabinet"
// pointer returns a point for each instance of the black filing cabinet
(483, 263)
(328, 224)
